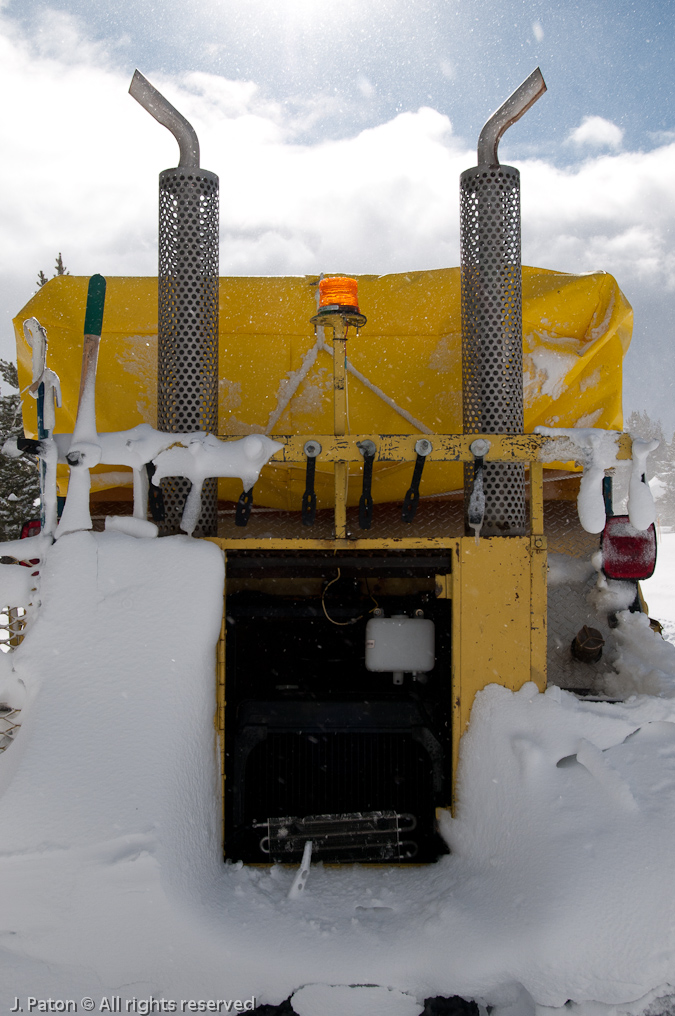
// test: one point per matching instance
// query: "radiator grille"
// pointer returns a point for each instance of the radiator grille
(303, 774)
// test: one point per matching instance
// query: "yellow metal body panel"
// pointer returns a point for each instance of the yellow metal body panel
(538, 610)
(445, 447)
(498, 620)
(350, 543)
(575, 332)
(220, 694)
(275, 377)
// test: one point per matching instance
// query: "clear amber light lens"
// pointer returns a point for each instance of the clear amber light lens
(338, 291)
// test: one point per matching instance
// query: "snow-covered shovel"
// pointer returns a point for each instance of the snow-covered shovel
(85, 448)
(46, 388)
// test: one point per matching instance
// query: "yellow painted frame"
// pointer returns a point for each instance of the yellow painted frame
(497, 586)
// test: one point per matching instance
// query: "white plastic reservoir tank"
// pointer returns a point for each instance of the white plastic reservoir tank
(400, 644)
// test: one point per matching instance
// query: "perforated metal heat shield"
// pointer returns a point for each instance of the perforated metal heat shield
(492, 352)
(188, 325)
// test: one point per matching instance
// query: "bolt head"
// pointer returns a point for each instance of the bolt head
(480, 447)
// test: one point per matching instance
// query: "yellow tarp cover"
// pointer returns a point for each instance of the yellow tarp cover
(576, 330)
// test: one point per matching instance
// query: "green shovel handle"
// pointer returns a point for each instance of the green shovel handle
(93, 318)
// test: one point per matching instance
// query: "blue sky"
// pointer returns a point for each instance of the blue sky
(610, 58)
(339, 131)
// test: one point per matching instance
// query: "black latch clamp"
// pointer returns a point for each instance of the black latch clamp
(423, 447)
(368, 450)
(243, 509)
(311, 450)
(155, 495)
(475, 513)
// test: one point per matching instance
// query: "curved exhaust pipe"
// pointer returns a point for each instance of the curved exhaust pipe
(517, 103)
(492, 325)
(187, 290)
(166, 114)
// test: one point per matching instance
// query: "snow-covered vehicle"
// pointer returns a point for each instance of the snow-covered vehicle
(406, 491)
(401, 519)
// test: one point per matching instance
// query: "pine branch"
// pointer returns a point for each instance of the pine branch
(60, 267)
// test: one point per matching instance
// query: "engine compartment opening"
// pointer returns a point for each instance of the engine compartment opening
(316, 745)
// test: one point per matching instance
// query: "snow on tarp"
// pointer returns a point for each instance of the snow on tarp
(559, 886)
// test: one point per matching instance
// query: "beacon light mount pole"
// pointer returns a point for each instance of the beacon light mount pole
(339, 309)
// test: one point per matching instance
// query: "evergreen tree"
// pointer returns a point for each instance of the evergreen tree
(661, 463)
(60, 270)
(666, 502)
(640, 425)
(19, 478)
(60, 267)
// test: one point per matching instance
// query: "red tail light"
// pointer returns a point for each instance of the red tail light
(31, 528)
(627, 553)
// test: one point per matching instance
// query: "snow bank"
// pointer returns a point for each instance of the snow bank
(645, 664)
(559, 886)
(659, 590)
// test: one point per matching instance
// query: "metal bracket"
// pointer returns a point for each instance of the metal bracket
(423, 447)
(311, 450)
(475, 515)
(243, 510)
(155, 495)
(28, 446)
(339, 319)
(368, 450)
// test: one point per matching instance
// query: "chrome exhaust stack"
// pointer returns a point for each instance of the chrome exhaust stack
(492, 326)
(187, 369)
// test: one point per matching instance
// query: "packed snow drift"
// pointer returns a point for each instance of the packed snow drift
(558, 891)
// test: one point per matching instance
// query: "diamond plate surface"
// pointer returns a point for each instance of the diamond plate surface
(568, 606)
(564, 532)
(434, 519)
(568, 610)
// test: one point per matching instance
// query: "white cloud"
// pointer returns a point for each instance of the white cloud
(596, 132)
(81, 163)
(613, 212)
(81, 159)
(662, 137)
